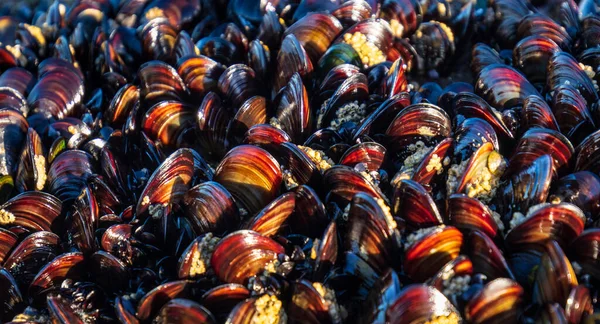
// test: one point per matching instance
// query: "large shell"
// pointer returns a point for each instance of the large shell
(503, 87)
(243, 254)
(315, 32)
(293, 112)
(555, 276)
(559, 222)
(68, 174)
(419, 304)
(210, 208)
(426, 256)
(59, 90)
(422, 211)
(500, 300)
(251, 175)
(292, 58)
(168, 183)
(537, 142)
(372, 232)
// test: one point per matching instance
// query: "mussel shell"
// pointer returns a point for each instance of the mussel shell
(273, 218)
(555, 276)
(158, 82)
(292, 58)
(13, 127)
(59, 90)
(424, 173)
(395, 81)
(109, 271)
(169, 182)
(67, 265)
(537, 142)
(422, 121)
(220, 300)
(121, 104)
(578, 305)
(529, 187)
(210, 208)
(252, 112)
(419, 303)
(247, 311)
(84, 221)
(315, 32)
(370, 154)
(266, 136)
(537, 113)
(384, 291)
(259, 59)
(158, 39)
(60, 310)
(478, 161)
(571, 112)
(584, 250)
(564, 68)
(422, 212)
(380, 118)
(531, 55)
(407, 13)
(353, 11)
(238, 83)
(543, 26)
(11, 98)
(152, 302)
(213, 118)
(471, 134)
(509, 15)
(486, 257)
(68, 173)
(580, 188)
(184, 47)
(468, 105)
(293, 111)
(8, 240)
(343, 182)
(503, 87)
(251, 175)
(181, 310)
(309, 306)
(353, 88)
(168, 122)
(499, 301)
(483, 55)
(461, 266)
(243, 254)
(469, 213)
(371, 233)
(337, 55)
(429, 254)
(377, 32)
(200, 74)
(561, 222)
(434, 42)
(587, 154)
(11, 296)
(327, 252)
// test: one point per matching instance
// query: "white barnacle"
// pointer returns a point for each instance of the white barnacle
(40, 167)
(200, 262)
(6, 217)
(268, 310)
(417, 235)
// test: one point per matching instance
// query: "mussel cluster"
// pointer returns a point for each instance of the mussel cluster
(301, 161)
